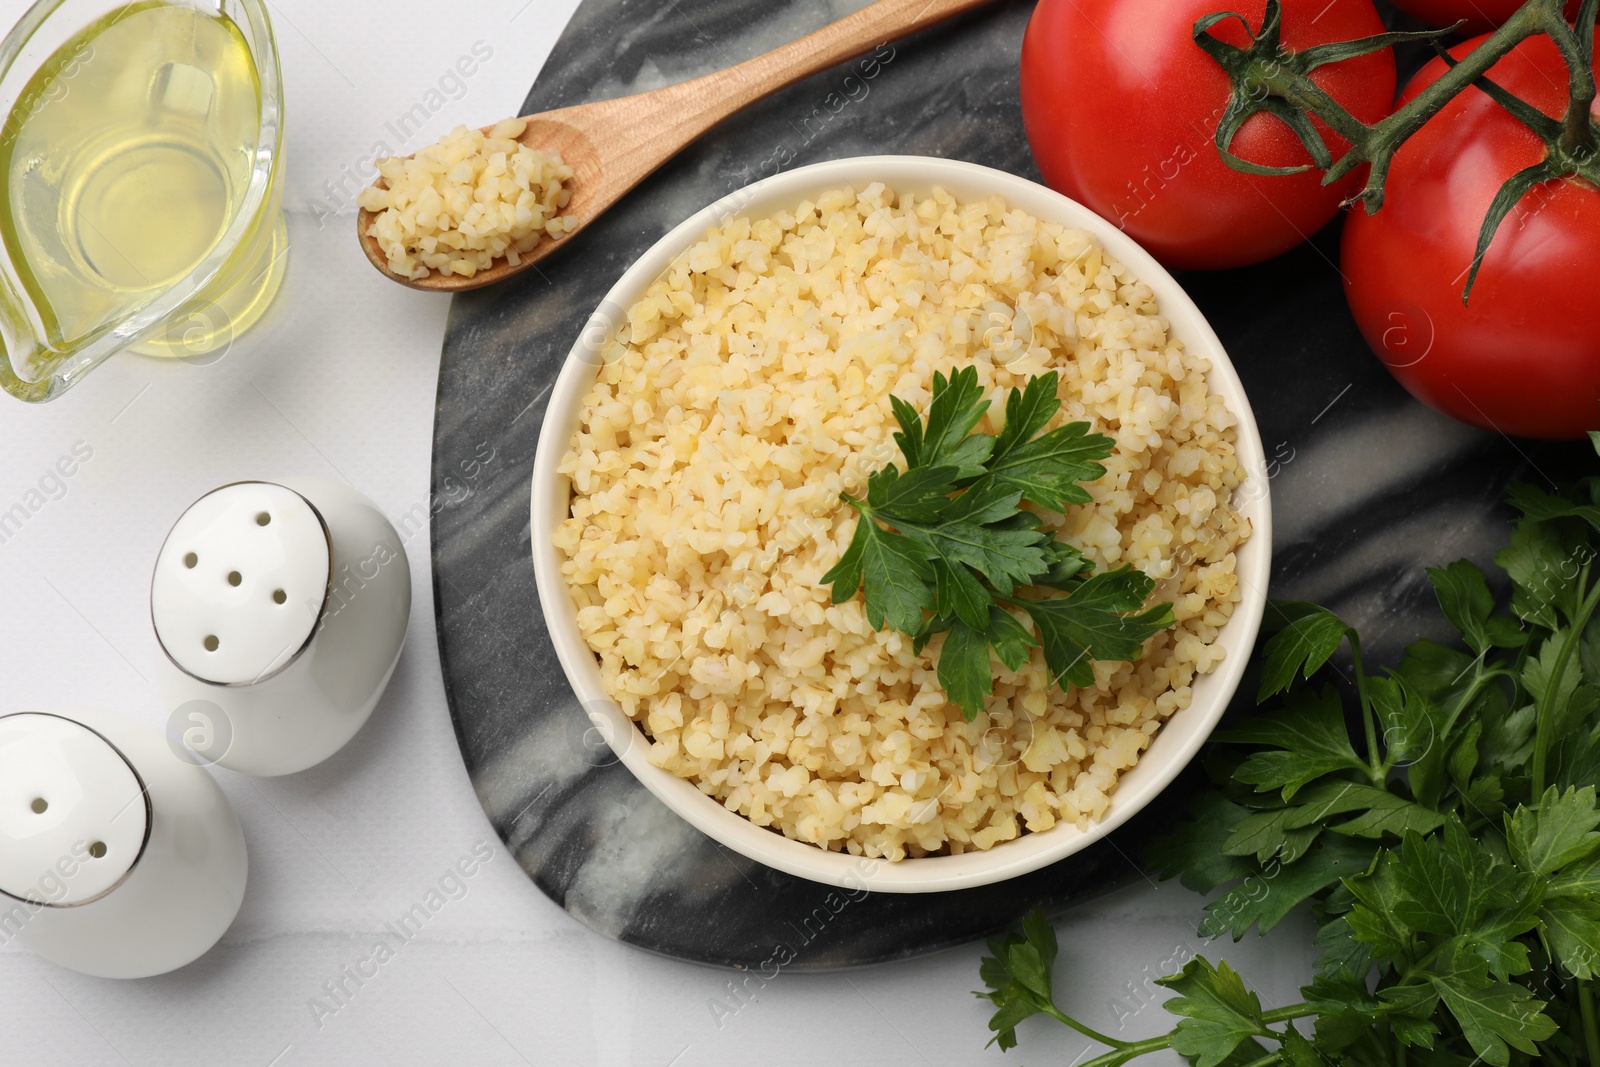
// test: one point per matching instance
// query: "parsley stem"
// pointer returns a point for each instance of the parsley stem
(1375, 767)
(1123, 1051)
(1546, 707)
(1283, 1015)
(1094, 1035)
(1591, 1030)
(1480, 677)
(1129, 1050)
(1271, 1057)
(1514, 672)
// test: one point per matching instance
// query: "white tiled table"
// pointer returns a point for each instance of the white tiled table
(339, 381)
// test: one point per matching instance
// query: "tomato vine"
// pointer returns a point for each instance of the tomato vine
(1267, 77)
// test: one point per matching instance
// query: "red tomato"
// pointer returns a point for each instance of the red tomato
(1524, 356)
(1120, 107)
(1481, 15)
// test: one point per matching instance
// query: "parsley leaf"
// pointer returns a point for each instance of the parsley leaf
(1046, 469)
(1540, 676)
(1561, 830)
(1345, 1009)
(957, 407)
(945, 547)
(1342, 955)
(958, 593)
(1193, 852)
(895, 569)
(1492, 1014)
(1264, 899)
(1450, 882)
(1268, 835)
(1573, 929)
(1540, 506)
(1465, 598)
(1373, 920)
(1410, 723)
(1017, 972)
(919, 495)
(964, 660)
(1306, 740)
(1308, 638)
(1027, 412)
(1381, 812)
(1100, 620)
(1540, 569)
(1006, 558)
(1219, 1012)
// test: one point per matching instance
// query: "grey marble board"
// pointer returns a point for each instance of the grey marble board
(1368, 485)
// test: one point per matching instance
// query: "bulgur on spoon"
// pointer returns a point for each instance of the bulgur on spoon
(482, 205)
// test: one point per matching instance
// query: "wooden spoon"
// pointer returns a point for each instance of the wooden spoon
(612, 145)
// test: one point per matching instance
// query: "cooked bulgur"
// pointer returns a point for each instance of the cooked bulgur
(749, 386)
(459, 205)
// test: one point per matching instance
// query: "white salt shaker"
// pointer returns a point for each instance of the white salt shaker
(282, 608)
(117, 858)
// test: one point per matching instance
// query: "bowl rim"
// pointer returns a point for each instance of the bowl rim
(1157, 766)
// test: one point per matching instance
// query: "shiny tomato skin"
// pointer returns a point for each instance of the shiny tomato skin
(1481, 15)
(1523, 357)
(1120, 107)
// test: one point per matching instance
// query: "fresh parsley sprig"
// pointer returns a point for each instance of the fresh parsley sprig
(1443, 827)
(1223, 1022)
(945, 546)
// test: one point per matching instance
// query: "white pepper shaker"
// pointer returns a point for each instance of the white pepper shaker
(117, 858)
(282, 608)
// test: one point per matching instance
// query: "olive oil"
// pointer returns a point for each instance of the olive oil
(125, 163)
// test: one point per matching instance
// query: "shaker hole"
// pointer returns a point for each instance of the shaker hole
(40, 805)
(190, 560)
(263, 519)
(98, 850)
(211, 642)
(279, 596)
(234, 577)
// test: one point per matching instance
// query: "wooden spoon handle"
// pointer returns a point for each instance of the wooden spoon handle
(885, 20)
(692, 107)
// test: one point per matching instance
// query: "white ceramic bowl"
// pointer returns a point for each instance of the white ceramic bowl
(1178, 740)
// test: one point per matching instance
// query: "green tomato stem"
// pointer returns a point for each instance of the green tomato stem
(1269, 78)
(1577, 127)
(1388, 135)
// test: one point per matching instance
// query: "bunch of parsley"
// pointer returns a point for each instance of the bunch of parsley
(946, 546)
(1441, 823)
